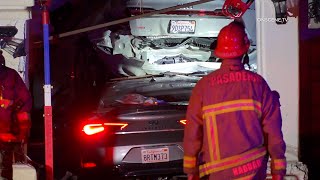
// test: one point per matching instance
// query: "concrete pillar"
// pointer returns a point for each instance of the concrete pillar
(278, 63)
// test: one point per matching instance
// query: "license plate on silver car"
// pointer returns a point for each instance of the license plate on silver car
(155, 155)
(182, 26)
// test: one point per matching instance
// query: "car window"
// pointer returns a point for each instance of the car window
(144, 94)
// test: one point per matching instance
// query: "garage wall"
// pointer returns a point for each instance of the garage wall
(309, 93)
(278, 63)
(310, 104)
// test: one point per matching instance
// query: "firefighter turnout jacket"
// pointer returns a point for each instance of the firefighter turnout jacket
(13, 93)
(233, 126)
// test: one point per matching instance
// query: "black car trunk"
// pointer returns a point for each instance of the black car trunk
(146, 124)
(148, 118)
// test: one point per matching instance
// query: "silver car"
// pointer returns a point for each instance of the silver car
(138, 126)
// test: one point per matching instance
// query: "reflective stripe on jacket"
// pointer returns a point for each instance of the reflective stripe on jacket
(233, 121)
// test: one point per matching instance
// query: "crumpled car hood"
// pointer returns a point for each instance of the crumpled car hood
(177, 43)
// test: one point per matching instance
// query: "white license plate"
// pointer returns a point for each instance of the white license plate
(182, 26)
(155, 155)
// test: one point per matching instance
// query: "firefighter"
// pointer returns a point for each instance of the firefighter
(233, 119)
(15, 106)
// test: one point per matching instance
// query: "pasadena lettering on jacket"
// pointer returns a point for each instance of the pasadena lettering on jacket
(234, 77)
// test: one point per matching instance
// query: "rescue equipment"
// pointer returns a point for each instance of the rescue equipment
(235, 8)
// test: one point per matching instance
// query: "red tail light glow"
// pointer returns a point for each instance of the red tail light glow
(183, 121)
(91, 129)
(89, 165)
(123, 125)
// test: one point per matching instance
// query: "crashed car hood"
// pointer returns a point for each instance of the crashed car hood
(170, 42)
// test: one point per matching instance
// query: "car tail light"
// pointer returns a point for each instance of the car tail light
(91, 129)
(183, 121)
(121, 125)
(89, 165)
